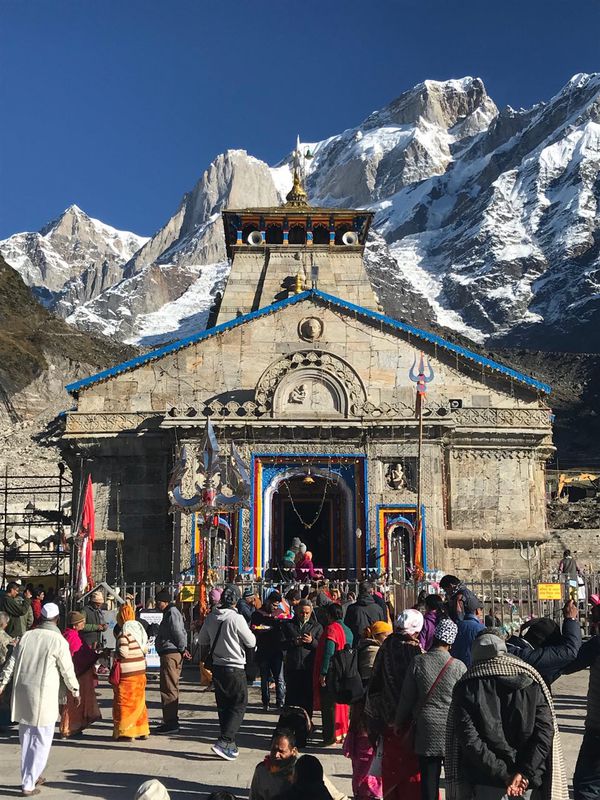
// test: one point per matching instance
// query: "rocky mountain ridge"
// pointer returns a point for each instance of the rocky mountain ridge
(486, 223)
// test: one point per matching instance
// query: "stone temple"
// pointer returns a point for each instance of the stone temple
(318, 391)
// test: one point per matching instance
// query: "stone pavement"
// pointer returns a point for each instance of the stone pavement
(98, 767)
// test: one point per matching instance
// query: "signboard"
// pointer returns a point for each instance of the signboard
(153, 618)
(550, 591)
(188, 593)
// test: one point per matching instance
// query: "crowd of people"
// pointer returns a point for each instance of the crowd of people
(404, 694)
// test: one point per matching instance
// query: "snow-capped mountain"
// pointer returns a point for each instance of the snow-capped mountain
(486, 222)
(72, 259)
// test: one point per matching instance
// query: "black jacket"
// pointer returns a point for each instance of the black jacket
(245, 609)
(300, 656)
(267, 630)
(549, 661)
(361, 615)
(506, 727)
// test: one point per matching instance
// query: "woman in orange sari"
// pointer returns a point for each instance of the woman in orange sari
(75, 716)
(130, 715)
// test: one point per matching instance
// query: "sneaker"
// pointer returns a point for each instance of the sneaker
(167, 727)
(224, 750)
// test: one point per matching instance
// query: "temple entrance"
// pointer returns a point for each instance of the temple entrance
(320, 500)
(311, 509)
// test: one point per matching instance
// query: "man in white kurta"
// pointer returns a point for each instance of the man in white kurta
(41, 662)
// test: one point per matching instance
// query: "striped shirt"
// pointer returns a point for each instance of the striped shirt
(131, 656)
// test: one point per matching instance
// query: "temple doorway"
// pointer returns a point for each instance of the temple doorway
(311, 509)
(320, 500)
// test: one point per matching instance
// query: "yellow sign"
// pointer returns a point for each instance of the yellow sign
(550, 591)
(188, 594)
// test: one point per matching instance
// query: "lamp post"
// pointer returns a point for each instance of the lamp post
(59, 528)
(5, 545)
(29, 516)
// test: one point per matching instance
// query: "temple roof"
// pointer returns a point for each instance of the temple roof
(326, 299)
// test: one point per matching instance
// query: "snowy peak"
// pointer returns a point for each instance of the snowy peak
(440, 103)
(486, 222)
(71, 259)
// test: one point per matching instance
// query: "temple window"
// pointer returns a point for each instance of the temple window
(320, 234)
(297, 234)
(274, 234)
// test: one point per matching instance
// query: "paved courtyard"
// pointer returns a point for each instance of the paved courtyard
(96, 766)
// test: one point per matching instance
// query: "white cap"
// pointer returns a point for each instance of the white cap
(50, 611)
(152, 790)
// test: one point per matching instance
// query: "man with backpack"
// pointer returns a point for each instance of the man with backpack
(226, 635)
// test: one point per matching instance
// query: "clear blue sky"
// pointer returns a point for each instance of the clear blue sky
(120, 105)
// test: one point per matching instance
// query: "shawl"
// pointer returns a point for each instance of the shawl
(501, 666)
(82, 654)
(391, 665)
(136, 630)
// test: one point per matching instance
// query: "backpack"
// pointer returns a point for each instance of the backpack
(343, 678)
(296, 719)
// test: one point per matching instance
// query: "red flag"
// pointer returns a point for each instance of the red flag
(87, 535)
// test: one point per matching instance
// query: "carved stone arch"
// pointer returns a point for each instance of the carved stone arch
(316, 368)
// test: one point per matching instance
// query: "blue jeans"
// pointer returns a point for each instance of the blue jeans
(272, 667)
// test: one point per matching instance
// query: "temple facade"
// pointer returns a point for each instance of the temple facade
(380, 445)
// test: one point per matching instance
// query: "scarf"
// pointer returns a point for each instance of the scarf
(391, 665)
(502, 666)
(136, 630)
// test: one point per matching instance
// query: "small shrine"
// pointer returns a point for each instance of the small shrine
(303, 411)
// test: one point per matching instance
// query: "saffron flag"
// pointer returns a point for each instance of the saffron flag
(86, 537)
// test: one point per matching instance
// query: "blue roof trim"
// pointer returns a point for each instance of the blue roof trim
(290, 301)
(434, 339)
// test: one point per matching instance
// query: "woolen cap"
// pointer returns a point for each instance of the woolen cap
(446, 631)
(152, 790)
(230, 596)
(97, 597)
(163, 596)
(410, 621)
(542, 632)
(249, 592)
(74, 618)
(50, 611)
(487, 646)
(380, 627)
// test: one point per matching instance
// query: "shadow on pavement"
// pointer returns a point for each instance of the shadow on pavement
(120, 786)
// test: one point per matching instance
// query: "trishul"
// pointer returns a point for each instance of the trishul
(420, 377)
(222, 483)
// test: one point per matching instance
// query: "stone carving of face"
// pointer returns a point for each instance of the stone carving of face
(311, 329)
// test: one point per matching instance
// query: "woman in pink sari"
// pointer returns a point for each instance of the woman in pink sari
(75, 717)
(334, 716)
(401, 777)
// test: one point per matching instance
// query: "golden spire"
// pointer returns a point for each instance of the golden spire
(297, 196)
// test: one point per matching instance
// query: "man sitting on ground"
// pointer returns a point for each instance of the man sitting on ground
(273, 777)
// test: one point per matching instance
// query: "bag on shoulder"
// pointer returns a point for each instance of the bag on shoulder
(343, 678)
(296, 719)
(114, 676)
(208, 661)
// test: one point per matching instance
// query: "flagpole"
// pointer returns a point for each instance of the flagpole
(421, 375)
(418, 561)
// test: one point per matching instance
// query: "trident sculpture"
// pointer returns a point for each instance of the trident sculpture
(421, 378)
(222, 483)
